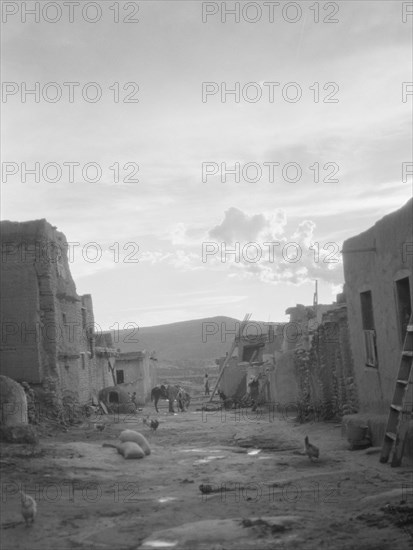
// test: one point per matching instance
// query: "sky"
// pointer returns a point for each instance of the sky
(203, 165)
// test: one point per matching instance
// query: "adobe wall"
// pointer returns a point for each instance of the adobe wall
(150, 377)
(283, 383)
(41, 313)
(103, 376)
(377, 271)
(139, 374)
(27, 301)
(232, 377)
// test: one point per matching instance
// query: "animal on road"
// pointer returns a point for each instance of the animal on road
(152, 424)
(171, 393)
(157, 393)
(28, 508)
(311, 450)
(183, 400)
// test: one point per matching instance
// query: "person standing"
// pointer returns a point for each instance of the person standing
(134, 401)
(206, 382)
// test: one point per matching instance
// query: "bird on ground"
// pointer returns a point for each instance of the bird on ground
(152, 424)
(311, 450)
(28, 508)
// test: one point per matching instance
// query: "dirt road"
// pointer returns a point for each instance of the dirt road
(261, 490)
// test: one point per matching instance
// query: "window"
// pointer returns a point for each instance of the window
(83, 360)
(404, 305)
(120, 378)
(369, 333)
(367, 310)
(250, 352)
(84, 318)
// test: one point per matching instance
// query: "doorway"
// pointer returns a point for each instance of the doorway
(404, 306)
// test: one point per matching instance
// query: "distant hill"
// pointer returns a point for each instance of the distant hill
(197, 341)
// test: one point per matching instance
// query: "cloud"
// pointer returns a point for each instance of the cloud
(260, 247)
(178, 233)
(239, 226)
(251, 247)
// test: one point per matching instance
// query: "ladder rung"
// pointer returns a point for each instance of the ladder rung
(404, 378)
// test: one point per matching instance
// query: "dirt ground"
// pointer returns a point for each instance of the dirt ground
(262, 491)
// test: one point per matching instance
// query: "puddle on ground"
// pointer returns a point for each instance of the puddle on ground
(160, 544)
(208, 459)
(201, 451)
(254, 452)
(166, 499)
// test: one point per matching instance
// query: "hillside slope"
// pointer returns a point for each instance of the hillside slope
(196, 340)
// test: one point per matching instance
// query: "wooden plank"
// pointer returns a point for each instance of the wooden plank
(103, 407)
(400, 445)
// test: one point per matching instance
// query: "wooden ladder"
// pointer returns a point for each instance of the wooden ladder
(231, 351)
(393, 434)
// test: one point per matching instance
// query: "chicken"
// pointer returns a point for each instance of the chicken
(152, 424)
(28, 508)
(100, 427)
(311, 450)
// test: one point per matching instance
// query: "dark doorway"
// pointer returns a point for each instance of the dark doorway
(404, 305)
(369, 333)
(120, 377)
(113, 397)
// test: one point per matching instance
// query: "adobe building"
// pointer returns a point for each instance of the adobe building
(136, 372)
(253, 360)
(378, 272)
(130, 372)
(297, 335)
(47, 328)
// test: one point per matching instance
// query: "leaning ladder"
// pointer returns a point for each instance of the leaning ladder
(231, 351)
(394, 434)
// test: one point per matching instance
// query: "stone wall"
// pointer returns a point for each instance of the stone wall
(325, 372)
